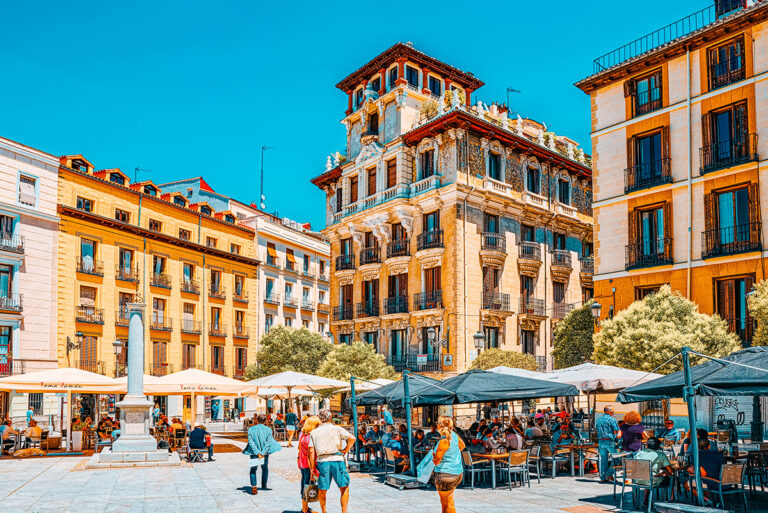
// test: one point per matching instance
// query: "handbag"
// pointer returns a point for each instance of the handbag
(311, 492)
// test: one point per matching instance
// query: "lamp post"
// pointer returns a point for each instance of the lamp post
(596, 309)
(756, 426)
(479, 339)
(117, 346)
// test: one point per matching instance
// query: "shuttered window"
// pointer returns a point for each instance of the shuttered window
(391, 173)
(432, 279)
(372, 181)
(353, 189)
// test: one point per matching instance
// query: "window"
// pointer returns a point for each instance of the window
(270, 289)
(36, 403)
(155, 225)
(6, 350)
(732, 221)
(435, 86)
(211, 242)
(305, 324)
(723, 7)
(269, 320)
(229, 218)
(372, 337)
(117, 178)
(528, 233)
(490, 223)
(234, 248)
(216, 318)
(491, 337)
(158, 265)
(641, 292)
(494, 165)
(398, 286)
(84, 204)
(359, 97)
(271, 254)
(412, 76)
(288, 322)
(528, 341)
(564, 192)
(27, 190)
(206, 210)
(397, 343)
(353, 189)
(392, 77)
(532, 183)
(290, 259)
(6, 227)
(726, 64)
(321, 297)
(239, 285)
(648, 245)
(321, 328)
(346, 246)
(288, 291)
(372, 181)
(587, 250)
(431, 221)
(559, 240)
(527, 286)
(158, 311)
(727, 141)
(376, 84)
(731, 305)
(185, 234)
(216, 282)
(490, 280)
(339, 198)
(587, 293)
(188, 360)
(558, 291)
(648, 160)
(644, 93)
(148, 189)
(188, 272)
(159, 356)
(188, 319)
(122, 216)
(373, 124)
(391, 173)
(217, 359)
(307, 260)
(427, 164)
(88, 255)
(371, 297)
(6, 281)
(241, 360)
(322, 267)
(125, 262)
(179, 200)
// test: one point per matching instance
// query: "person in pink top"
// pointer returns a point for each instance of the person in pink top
(303, 459)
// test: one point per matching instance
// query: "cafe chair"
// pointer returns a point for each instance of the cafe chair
(592, 455)
(472, 467)
(757, 470)
(194, 455)
(547, 457)
(637, 475)
(179, 437)
(534, 461)
(389, 460)
(731, 482)
(517, 465)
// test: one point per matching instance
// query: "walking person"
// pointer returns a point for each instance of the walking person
(607, 432)
(326, 454)
(387, 416)
(449, 469)
(291, 425)
(261, 444)
(307, 475)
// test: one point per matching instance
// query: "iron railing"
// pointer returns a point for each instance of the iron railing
(240, 296)
(290, 301)
(731, 240)
(532, 306)
(561, 309)
(11, 302)
(396, 304)
(562, 258)
(161, 280)
(367, 309)
(529, 251)
(90, 266)
(10, 367)
(239, 373)
(723, 7)
(428, 300)
(121, 317)
(90, 365)
(416, 363)
(644, 102)
(400, 247)
(370, 255)
(161, 323)
(190, 286)
(127, 273)
(726, 72)
(272, 298)
(345, 262)
(494, 242)
(190, 326)
(588, 265)
(241, 331)
(343, 312)
(307, 304)
(744, 328)
(647, 175)
(217, 291)
(725, 154)
(12, 243)
(499, 301)
(217, 329)
(160, 368)
(220, 369)
(649, 253)
(430, 239)
(89, 314)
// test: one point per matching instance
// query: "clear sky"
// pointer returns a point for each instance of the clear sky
(196, 88)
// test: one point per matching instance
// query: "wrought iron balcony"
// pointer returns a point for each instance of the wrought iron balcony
(96, 366)
(11, 302)
(121, 317)
(395, 305)
(647, 175)
(343, 312)
(725, 154)
(239, 373)
(429, 240)
(219, 369)
(731, 240)
(530, 251)
(398, 248)
(10, 367)
(240, 296)
(345, 262)
(428, 300)
(161, 323)
(127, 273)
(272, 298)
(587, 265)
(650, 253)
(290, 301)
(89, 314)
(217, 329)
(309, 273)
(272, 262)
(190, 327)
(532, 306)
(160, 368)
(241, 331)
(561, 309)
(494, 242)
(12, 243)
(726, 72)
(562, 258)
(367, 309)
(90, 266)
(190, 286)
(162, 281)
(416, 363)
(647, 101)
(499, 301)
(370, 255)
(307, 304)
(217, 291)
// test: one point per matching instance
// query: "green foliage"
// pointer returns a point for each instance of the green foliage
(428, 109)
(494, 357)
(758, 309)
(573, 338)
(357, 359)
(289, 349)
(654, 329)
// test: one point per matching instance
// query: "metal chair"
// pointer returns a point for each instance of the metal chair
(731, 475)
(194, 455)
(638, 476)
(534, 461)
(517, 465)
(474, 467)
(546, 456)
(389, 460)
(179, 437)
(757, 473)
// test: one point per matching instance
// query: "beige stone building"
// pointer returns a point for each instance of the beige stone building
(448, 219)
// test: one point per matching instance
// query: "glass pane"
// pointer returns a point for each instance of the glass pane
(726, 220)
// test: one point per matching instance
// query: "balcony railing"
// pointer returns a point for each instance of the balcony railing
(190, 326)
(429, 240)
(10, 367)
(726, 72)
(11, 303)
(323, 308)
(240, 296)
(220, 369)
(494, 242)
(323, 276)
(530, 251)
(370, 255)
(272, 298)
(744, 328)
(588, 265)
(307, 304)
(272, 262)
(532, 306)
(650, 253)
(124, 273)
(561, 309)
(416, 363)
(398, 248)
(309, 273)
(290, 301)
(345, 262)
(647, 175)
(499, 301)
(725, 154)
(367, 309)
(160, 280)
(343, 312)
(161, 323)
(89, 314)
(723, 7)
(190, 286)
(190, 365)
(217, 291)
(396, 305)
(90, 366)
(90, 266)
(160, 368)
(428, 300)
(12, 243)
(241, 331)
(562, 258)
(122, 318)
(731, 240)
(121, 370)
(217, 329)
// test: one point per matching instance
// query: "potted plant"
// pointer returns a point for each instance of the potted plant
(77, 435)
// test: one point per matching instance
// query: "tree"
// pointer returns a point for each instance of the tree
(758, 309)
(357, 359)
(653, 330)
(573, 338)
(289, 349)
(494, 357)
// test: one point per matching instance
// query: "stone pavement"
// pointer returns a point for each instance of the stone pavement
(59, 484)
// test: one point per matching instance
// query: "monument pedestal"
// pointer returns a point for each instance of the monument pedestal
(134, 426)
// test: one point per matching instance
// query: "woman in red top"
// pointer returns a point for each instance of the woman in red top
(303, 458)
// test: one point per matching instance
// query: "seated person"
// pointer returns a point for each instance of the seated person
(33, 432)
(562, 437)
(495, 423)
(701, 434)
(516, 425)
(400, 452)
(532, 431)
(403, 431)
(542, 425)
(659, 462)
(669, 432)
(373, 440)
(175, 424)
(279, 421)
(512, 439)
(477, 428)
(433, 433)
(420, 442)
(104, 428)
(361, 442)
(388, 435)
(489, 442)
(197, 440)
(6, 432)
(579, 415)
(710, 462)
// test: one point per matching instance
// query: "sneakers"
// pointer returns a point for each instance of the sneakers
(254, 490)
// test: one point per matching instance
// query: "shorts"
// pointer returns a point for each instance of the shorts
(336, 470)
(290, 427)
(447, 482)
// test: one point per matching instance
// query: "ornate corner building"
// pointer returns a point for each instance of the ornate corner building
(447, 219)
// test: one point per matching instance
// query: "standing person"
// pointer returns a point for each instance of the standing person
(327, 455)
(307, 475)
(291, 425)
(449, 468)
(387, 416)
(607, 432)
(632, 432)
(261, 444)
(155, 413)
(30, 414)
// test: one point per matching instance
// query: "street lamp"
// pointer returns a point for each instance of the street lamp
(479, 339)
(596, 310)
(71, 346)
(117, 346)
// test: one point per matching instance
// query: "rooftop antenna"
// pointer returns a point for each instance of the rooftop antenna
(136, 173)
(511, 90)
(263, 198)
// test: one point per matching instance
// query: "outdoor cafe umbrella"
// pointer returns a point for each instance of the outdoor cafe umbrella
(291, 380)
(524, 373)
(393, 393)
(590, 377)
(63, 380)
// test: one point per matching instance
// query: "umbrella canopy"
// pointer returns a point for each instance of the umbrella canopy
(363, 385)
(64, 379)
(477, 386)
(523, 373)
(589, 377)
(393, 393)
(148, 381)
(198, 382)
(280, 393)
(297, 381)
(711, 378)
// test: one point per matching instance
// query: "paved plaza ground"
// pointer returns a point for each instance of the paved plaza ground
(60, 484)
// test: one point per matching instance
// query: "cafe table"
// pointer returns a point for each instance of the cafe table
(493, 457)
(580, 449)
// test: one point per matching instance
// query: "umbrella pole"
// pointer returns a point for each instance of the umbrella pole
(407, 398)
(69, 420)
(193, 410)
(354, 415)
(688, 394)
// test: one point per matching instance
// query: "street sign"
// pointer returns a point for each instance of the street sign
(421, 359)
(447, 360)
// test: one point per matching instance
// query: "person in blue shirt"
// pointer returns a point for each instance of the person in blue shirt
(387, 416)
(400, 451)
(261, 444)
(30, 414)
(156, 413)
(373, 442)
(197, 440)
(607, 432)
(562, 437)
(710, 462)
(669, 432)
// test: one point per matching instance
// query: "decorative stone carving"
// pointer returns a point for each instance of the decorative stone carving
(561, 274)
(475, 157)
(588, 199)
(405, 215)
(493, 320)
(354, 140)
(431, 257)
(398, 265)
(370, 271)
(514, 171)
(577, 199)
(519, 126)
(345, 276)
(390, 122)
(380, 227)
(369, 151)
(529, 324)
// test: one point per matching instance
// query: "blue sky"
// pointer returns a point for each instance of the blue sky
(196, 88)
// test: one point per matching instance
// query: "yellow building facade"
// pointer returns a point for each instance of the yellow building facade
(193, 267)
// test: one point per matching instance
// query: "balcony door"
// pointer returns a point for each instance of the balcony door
(346, 246)
(89, 353)
(6, 350)
(733, 216)
(491, 337)
(371, 296)
(649, 237)
(397, 344)
(732, 220)
(426, 346)
(398, 285)
(6, 281)
(6, 227)
(649, 153)
(726, 135)
(732, 305)
(346, 299)
(126, 261)
(188, 360)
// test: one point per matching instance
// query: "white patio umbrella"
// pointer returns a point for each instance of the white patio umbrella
(523, 373)
(280, 393)
(590, 377)
(291, 380)
(63, 380)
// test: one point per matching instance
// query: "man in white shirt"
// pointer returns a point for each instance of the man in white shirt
(327, 454)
